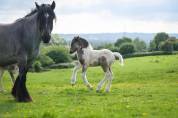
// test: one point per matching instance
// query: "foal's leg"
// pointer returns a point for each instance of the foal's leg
(105, 68)
(1, 74)
(109, 80)
(84, 77)
(74, 74)
(102, 82)
(12, 76)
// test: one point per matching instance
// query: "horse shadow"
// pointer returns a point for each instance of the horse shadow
(82, 91)
(7, 105)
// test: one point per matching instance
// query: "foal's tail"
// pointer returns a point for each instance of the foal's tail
(119, 56)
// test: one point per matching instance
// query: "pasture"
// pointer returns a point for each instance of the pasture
(145, 87)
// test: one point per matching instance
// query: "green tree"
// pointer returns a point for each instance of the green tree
(45, 60)
(172, 39)
(127, 48)
(109, 46)
(174, 42)
(175, 45)
(140, 45)
(160, 37)
(37, 66)
(152, 46)
(166, 46)
(122, 40)
(59, 54)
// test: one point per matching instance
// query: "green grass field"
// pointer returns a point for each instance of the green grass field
(145, 87)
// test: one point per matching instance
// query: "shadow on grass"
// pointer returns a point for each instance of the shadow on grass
(82, 92)
(7, 106)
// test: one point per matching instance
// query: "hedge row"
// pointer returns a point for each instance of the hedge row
(141, 54)
(50, 57)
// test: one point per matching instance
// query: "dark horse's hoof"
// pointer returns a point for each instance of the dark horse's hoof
(21, 95)
(13, 93)
(23, 99)
(20, 98)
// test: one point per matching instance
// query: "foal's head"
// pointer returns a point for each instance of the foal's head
(78, 43)
(46, 16)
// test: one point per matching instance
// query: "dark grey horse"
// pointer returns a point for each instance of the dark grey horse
(20, 41)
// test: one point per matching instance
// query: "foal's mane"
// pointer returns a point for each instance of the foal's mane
(88, 45)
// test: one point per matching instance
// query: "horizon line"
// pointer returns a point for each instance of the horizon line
(115, 32)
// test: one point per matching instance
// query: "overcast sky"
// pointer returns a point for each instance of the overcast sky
(101, 16)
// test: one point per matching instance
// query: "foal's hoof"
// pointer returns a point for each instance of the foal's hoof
(98, 91)
(72, 84)
(107, 91)
(90, 87)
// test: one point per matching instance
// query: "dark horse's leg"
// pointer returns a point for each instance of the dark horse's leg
(19, 90)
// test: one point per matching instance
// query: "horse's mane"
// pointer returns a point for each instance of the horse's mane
(89, 44)
(90, 47)
(33, 11)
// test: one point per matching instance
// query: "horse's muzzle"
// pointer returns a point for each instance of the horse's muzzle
(46, 38)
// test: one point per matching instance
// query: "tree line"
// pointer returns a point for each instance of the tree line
(161, 42)
(57, 51)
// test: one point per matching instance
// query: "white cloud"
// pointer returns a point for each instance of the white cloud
(91, 16)
(78, 2)
(148, 2)
(105, 22)
(11, 16)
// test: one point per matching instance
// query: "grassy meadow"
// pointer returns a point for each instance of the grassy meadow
(146, 87)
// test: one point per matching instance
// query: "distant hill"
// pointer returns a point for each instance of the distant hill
(103, 38)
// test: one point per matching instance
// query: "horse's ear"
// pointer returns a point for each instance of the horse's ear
(37, 6)
(76, 38)
(84, 43)
(53, 5)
